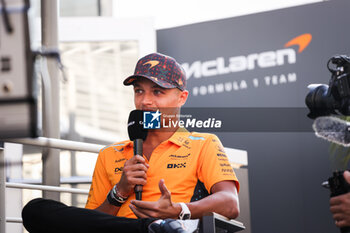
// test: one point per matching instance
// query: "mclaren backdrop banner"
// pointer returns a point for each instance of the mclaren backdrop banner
(264, 62)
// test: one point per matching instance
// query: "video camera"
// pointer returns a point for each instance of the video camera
(333, 99)
(322, 99)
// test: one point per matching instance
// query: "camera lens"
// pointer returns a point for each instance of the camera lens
(318, 102)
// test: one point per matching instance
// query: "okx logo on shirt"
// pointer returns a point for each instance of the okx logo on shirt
(151, 120)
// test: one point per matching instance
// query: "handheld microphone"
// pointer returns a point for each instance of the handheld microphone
(137, 134)
(333, 129)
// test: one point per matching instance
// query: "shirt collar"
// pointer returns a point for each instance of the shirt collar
(179, 136)
(129, 143)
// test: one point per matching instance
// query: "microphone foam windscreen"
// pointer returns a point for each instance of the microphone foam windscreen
(332, 129)
(135, 125)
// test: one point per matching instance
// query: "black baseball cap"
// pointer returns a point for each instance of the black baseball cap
(161, 69)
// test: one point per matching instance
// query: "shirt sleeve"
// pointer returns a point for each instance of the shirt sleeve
(100, 185)
(214, 164)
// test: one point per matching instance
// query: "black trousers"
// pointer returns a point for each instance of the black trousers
(48, 216)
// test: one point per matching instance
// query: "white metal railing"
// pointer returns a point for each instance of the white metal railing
(63, 180)
(58, 144)
(42, 142)
(47, 188)
(13, 220)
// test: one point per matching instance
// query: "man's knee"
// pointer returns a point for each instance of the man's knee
(30, 213)
(31, 207)
(40, 206)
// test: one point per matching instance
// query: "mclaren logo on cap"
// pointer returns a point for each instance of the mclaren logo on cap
(153, 63)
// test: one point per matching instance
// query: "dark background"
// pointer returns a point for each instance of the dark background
(286, 169)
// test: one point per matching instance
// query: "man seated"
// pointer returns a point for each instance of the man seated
(183, 174)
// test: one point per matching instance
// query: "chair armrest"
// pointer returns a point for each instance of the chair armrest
(216, 223)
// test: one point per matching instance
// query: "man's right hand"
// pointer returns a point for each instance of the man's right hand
(134, 173)
(340, 206)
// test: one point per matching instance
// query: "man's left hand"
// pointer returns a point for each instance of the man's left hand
(162, 209)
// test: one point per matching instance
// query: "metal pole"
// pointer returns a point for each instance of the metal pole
(50, 188)
(14, 220)
(58, 144)
(2, 191)
(49, 38)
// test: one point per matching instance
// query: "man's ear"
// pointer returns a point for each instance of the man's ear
(183, 97)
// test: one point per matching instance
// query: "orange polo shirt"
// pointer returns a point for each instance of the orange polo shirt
(189, 163)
